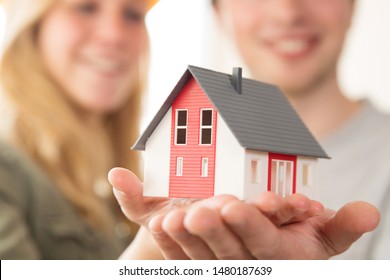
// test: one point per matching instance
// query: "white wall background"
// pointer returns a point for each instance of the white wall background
(365, 67)
(182, 32)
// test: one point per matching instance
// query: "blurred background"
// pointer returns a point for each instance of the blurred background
(183, 32)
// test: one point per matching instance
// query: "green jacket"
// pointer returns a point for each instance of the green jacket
(37, 222)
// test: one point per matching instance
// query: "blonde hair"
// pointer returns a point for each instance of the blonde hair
(51, 130)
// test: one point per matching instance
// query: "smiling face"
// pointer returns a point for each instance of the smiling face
(92, 49)
(292, 43)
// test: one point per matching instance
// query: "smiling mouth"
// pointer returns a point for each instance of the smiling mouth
(292, 48)
(105, 66)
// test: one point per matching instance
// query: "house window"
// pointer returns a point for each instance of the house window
(206, 120)
(255, 171)
(307, 176)
(205, 167)
(179, 166)
(181, 127)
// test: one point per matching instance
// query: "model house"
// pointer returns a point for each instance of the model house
(220, 133)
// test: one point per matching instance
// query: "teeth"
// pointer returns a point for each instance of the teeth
(105, 65)
(291, 46)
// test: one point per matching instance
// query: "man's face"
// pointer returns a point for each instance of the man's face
(294, 44)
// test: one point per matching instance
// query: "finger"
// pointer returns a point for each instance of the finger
(125, 182)
(269, 203)
(315, 209)
(348, 224)
(298, 207)
(256, 231)
(216, 202)
(290, 209)
(208, 225)
(191, 245)
(170, 249)
(128, 190)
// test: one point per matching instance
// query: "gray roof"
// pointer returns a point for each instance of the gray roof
(261, 118)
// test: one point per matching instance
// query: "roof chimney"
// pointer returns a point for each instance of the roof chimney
(237, 79)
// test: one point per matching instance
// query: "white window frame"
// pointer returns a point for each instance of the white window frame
(255, 171)
(205, 167)
(206, 127)
(179, 166)
(177, 126)
(307, 181)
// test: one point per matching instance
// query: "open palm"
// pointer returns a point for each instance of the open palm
(223, 227)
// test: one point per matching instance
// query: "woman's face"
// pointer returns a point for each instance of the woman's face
(92, 48)
(292, 43)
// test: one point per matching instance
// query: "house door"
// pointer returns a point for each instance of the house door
(282, 171)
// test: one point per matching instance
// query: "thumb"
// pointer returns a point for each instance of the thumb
(126, 182)
(349, 224)
(128, 191)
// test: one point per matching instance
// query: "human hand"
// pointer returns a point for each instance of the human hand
(128, 191)
(201, 233)
(267, 227)
(148, 211)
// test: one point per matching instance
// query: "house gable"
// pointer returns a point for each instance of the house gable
(141, 142)
(188, 154)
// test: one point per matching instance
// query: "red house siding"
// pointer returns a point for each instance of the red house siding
(191, 184)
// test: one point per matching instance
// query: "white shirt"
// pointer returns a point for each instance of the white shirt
(359, 169)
